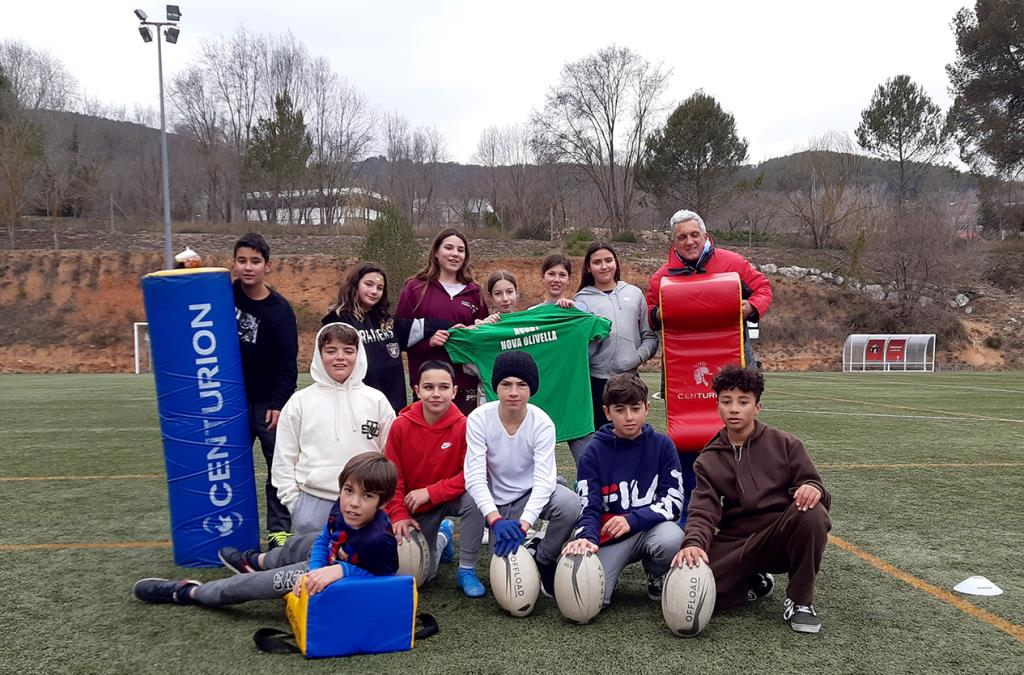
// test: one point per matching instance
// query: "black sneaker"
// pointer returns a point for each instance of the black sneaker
(547, 578)
(760, 586)
(655, 585)
(164, 591)
(801, 618)
(237, 561)
(533, 541)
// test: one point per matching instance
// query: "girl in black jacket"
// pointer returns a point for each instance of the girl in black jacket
(363, 304)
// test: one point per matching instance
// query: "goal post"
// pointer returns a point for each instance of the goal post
(889, 352)
(140, 337)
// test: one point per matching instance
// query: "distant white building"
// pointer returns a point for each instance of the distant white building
(335, 206)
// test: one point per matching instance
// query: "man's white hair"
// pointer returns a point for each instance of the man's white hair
(683, 215)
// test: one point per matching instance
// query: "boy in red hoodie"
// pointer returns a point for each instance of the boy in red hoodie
(427, 444)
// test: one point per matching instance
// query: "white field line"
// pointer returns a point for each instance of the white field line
(902, 417)
(893, 382)
(77, 430)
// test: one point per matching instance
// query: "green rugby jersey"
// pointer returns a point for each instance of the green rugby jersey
(557, 340)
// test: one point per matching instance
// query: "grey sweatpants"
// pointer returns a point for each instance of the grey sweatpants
(471, 529)
(310, 513)
(656, 547)
(561, 512)
(577, 446)
(282, 566)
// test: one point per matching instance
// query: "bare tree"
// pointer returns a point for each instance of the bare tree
(398, 153)
(597, 116)
(753, 208)
(341, 122)
(518, 192)
(828, 194)
(38, 79)
(915, 249)
(201, 119)
(429, 152)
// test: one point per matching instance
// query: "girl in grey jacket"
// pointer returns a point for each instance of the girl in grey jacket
(631, 342)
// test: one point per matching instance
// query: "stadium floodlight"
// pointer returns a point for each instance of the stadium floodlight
(171, 33)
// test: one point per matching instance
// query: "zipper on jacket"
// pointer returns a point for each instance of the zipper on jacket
(737, 452)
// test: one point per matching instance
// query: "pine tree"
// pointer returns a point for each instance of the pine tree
(391, 242)
(690, 160)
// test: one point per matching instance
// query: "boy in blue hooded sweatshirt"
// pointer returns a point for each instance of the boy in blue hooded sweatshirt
(631, 488)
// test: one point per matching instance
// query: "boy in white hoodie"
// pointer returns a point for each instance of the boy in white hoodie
(326, 424)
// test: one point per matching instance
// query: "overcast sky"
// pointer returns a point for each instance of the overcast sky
(787, 70)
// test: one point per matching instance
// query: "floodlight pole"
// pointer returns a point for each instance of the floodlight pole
(168, 250)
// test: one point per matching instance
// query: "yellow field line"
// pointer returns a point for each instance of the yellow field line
(903, 407)
(15, 548)
(126, 476)
(941, 594)
(935, 465)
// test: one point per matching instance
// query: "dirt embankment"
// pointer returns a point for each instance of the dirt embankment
(72, 311)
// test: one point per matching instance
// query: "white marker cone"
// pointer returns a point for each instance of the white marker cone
(978, 586)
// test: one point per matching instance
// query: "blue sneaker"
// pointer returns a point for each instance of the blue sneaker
(470, 584)
(448, 529)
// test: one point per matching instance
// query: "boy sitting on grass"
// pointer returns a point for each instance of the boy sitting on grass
(323, 425)
(356, 542)
(631, 487)
(760, 489)
(427, 444)
(510, 469)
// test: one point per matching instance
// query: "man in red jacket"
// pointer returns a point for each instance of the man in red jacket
(693, 252)
(427, 444)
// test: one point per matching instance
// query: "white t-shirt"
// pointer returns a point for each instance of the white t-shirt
(454, 289)
(500, 469)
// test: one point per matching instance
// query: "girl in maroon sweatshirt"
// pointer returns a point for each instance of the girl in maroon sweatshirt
(444, 289)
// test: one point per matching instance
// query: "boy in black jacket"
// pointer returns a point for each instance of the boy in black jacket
(269, 339)
(631, 487)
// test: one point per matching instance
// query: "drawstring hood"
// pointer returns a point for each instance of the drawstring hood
(341, 390)
(743, 470)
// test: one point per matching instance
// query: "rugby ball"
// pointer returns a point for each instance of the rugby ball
(688, 599)
(414, 556)
(515, 582)
(579, 586)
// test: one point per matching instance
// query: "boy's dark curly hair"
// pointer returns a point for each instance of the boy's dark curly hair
(734, 376)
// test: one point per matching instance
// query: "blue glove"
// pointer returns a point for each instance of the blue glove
(508, 536)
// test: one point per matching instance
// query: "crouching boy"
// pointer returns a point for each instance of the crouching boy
(630, 485)
(760, 489)
(324, 425)
(510, 468)
(427, 444)
(356, 542)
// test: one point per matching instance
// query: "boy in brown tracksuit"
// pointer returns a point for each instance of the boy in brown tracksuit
(760, 489)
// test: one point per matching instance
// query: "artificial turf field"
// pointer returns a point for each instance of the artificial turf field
(926, 473)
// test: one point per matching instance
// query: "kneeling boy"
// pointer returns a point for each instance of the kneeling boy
(510, 467)
(427, 444)
(356, 542)
(760, 489)
(631, 487)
